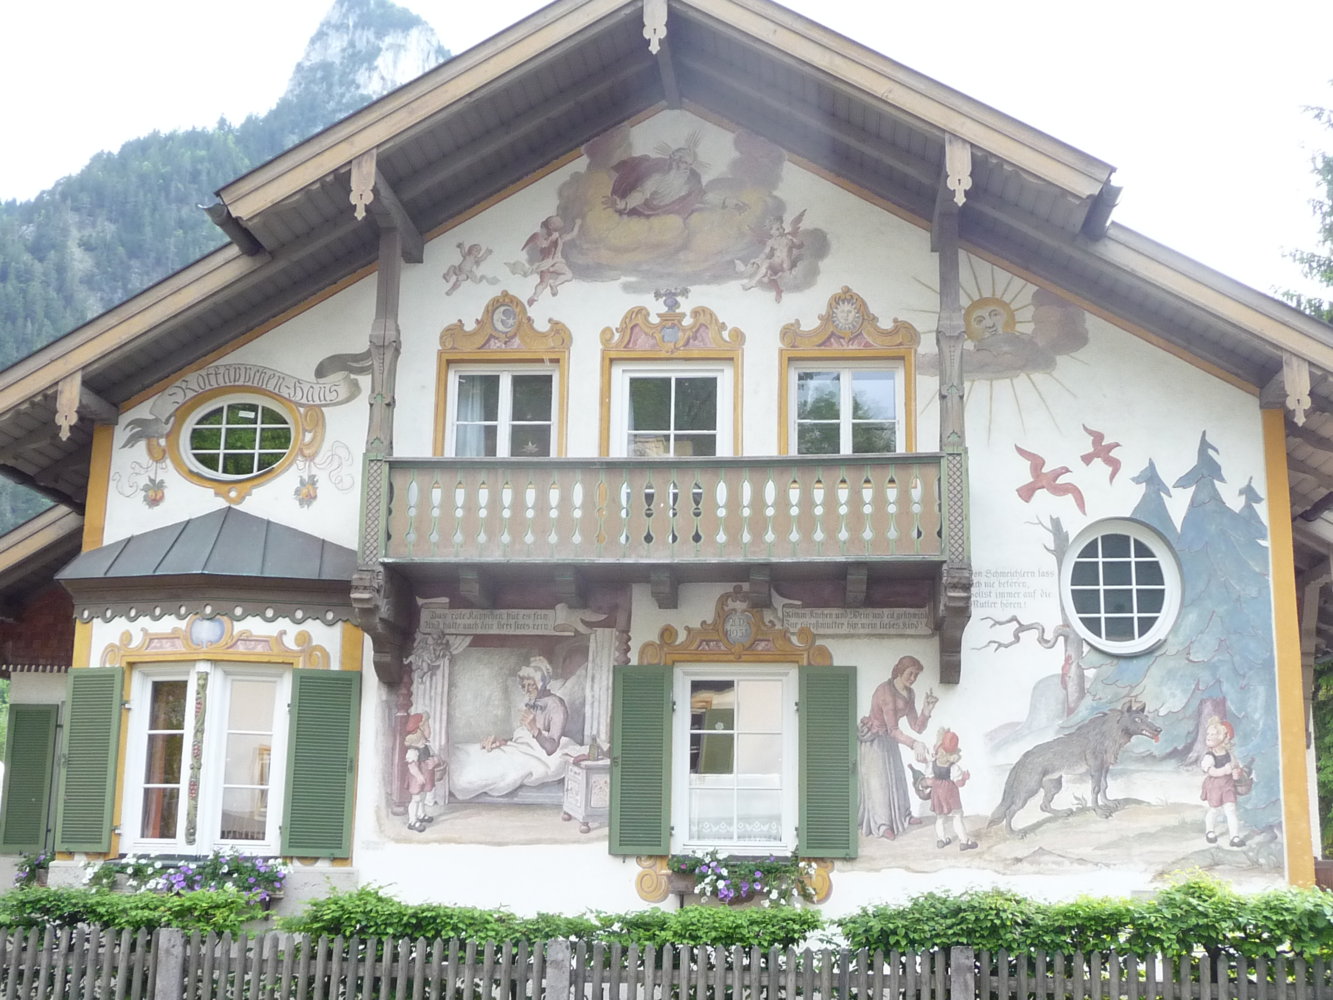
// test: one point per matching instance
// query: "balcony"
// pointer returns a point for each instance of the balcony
(664, 511)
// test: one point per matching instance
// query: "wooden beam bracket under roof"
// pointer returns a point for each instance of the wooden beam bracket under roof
(73, 398)
(383, 604)
(233, 229)
(665, 587)
(371, 191)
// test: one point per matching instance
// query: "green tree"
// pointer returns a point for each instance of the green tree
(1317, 265)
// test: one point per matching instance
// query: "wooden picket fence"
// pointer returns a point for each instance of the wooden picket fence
(87, 962)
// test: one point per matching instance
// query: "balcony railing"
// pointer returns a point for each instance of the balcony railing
(662, 510)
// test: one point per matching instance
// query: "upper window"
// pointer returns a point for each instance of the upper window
(503, 414)
(735, 759)
(1121, 586)
(672, 412)
(239, 438)
(206, 742)
(846, 410)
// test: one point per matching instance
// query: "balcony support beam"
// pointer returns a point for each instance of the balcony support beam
(858, 577)
(475, 589)
(569, 587)
(761, 586)
(665, 587)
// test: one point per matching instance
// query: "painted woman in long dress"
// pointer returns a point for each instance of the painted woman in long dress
(886, 804)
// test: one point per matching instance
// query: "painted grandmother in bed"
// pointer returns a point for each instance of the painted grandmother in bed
(537, 752)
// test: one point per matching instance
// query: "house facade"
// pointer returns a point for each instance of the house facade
(650, 471)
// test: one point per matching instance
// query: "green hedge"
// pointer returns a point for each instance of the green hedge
(207, 910)
(1189, 915)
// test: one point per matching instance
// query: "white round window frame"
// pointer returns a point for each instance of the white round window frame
(1171, 577)
(233, 489)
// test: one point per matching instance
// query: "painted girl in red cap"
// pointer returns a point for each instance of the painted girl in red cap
(1221, 769)
(946, 777)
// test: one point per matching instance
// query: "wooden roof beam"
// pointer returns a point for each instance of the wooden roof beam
(74, 398)
(666, 69)
(372, 192)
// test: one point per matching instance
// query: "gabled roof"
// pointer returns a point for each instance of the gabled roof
(507, 109)
(223, 557)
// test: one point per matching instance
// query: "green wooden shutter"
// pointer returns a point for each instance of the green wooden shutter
(30, 752)
(321, 763)
(88, 768)
(641, 760)
(828, 762)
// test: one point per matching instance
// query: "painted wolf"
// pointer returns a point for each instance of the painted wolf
(1092, 747)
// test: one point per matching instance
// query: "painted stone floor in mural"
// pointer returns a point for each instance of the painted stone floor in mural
(1162, 836)
(466, 823)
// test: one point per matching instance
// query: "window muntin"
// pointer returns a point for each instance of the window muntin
(241, 745)
(238, 438)
(504, 414)
(735, 759)
(1121, 586)
(846, 410)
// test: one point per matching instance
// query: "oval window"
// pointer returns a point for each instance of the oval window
(239, 438)
(1121, 587)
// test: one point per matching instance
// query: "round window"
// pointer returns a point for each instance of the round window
(237, 438)
(1120, 584)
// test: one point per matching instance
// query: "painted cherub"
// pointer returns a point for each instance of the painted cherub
(946, 777)
(466, 269)
(1220, 769)
(551, 268)
(777, 258)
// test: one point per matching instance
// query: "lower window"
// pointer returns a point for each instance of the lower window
(735, 759)
(206, 744)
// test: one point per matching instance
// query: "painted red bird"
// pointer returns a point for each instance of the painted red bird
(1102, 451)
(1043, 480)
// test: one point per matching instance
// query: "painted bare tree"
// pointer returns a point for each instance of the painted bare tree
(1072, 679)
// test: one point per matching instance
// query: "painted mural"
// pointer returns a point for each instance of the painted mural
(666, 215)
(297, 412)
(501, 736)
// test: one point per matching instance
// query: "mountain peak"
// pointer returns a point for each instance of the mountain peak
(361, 50)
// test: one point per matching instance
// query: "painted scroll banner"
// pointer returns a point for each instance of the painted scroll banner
(858, 621)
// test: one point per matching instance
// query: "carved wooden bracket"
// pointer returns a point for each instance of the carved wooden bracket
(384, 603)
(654, 23)
(72, 399)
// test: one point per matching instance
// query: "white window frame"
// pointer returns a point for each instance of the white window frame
(788, 674)
(623, 371)
(209, 811)
(238, 399)
(1173, 586)
(844, 368)
(505, 411)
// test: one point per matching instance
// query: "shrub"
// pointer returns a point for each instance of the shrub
(206, 910)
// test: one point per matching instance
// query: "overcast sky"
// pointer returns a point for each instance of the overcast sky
(1198, 104)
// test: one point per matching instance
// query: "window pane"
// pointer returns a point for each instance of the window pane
(528, 441)
(1119, 629)
(695, 444)
(758, 816)
(873, 395)
(648, 446)
(532, 397)
(760, 708)
(1149, 574)
(817, 439)
(649, 404)
(817, 395)
(712, 814)
(478, 398)
(243, 413)
(1087, 602)
(244, 814)
(873, 438)
(238, 464)
(696, 404)
(239, 439)
(474, 441)
(1115, 546)
(166, 708)
(251, 705)
(163, 759)
(206, 438)
(712, 753)
(160, 809)
(1152, 601)
(1116, 574)
(1118, 602)
(758, 760)
(1085, 574)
